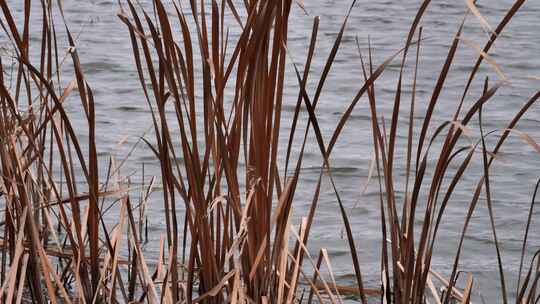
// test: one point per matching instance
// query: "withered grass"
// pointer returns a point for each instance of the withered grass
(216, 103)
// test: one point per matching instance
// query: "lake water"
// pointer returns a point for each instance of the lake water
(106, 54)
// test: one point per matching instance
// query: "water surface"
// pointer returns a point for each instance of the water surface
(105, 52)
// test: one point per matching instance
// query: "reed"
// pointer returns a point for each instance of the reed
(213, 76)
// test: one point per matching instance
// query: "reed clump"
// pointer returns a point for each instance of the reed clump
(213, 75)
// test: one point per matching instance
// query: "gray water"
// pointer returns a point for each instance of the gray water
(105, 51)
